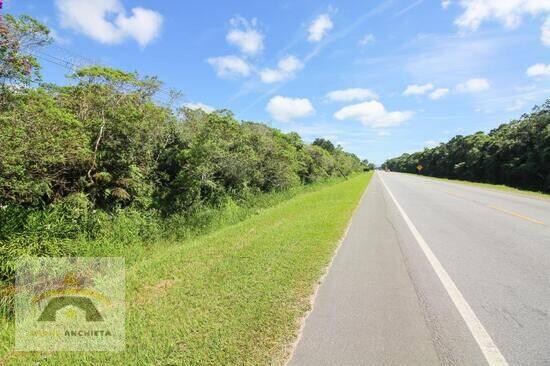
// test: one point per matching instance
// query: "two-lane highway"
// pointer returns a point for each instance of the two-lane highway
(433, 272)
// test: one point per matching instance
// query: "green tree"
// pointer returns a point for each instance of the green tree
(45, 150)
(516, 154)
(19, 37)
(126, 130)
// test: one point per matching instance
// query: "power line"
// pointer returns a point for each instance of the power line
(74, 54)
(77, 61)
(73, 61)
(55, 60)
(71, 67)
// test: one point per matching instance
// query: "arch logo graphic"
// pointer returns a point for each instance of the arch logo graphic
(70, 304)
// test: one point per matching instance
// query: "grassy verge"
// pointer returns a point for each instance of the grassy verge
(131, 233)
(229, 297)
(128, 233)
(490, 186)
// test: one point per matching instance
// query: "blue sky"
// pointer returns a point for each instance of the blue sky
(378, 77)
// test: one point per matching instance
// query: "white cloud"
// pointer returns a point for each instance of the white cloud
(508, 12)
(319, 28)
(538, 70)
(245, 36)
(384, 133)
(451, 58)
(416, 89)
(106, 21)
(522, 97)
(518, 104)
(439, 93)
(285, 109)
(204, 107)
(286, 69)
(473, 86)
(351, 95)
(545, 32)
(367, 38)
(445, 4)
(229, 66)
(312, 131)
(373, 114)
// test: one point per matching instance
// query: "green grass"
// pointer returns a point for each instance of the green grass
(233, 296)
(491, 186)
(130, 233)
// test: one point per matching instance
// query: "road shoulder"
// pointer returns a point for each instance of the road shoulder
(367, 311)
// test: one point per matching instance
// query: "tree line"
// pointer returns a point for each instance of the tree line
(516, 154)
(102, 143)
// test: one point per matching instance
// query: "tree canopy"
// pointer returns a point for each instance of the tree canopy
(105, 138)
(515, 154)
(18, 36)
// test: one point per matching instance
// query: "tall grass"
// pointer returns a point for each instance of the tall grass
(232, 297)
(73, 229)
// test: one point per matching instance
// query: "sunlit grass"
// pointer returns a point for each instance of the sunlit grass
(230, 297)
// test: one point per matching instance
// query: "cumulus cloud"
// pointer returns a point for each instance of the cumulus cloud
(416, 89)
(473, 86)
(367, 38)
(319, 28)
(439, 93)
(285, 109)
(195, 106)
(351, 95)
(107, 21)
(229, 66)
(445, 4)
(538, 70)
(508, 12)
(286, 69)
(245, 36)
(373, 114)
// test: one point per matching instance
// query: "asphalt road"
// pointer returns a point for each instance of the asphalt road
(435, 273)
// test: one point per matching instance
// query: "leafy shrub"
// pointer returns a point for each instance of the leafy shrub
(97, 166)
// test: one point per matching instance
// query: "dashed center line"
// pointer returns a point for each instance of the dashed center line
(517, 215)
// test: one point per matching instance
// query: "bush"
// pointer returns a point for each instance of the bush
(96, 166)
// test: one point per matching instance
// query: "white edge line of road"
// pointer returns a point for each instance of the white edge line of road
(291, 349)
(485, 342)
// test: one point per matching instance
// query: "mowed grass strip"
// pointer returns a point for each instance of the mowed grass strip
(232, 297)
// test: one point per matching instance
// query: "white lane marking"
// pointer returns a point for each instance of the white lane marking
(485, 342)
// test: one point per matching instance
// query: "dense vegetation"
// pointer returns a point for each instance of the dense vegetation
(232, 297)
(99, 156)
(516, 154)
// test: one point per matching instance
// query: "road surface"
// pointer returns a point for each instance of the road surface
(435, 273)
